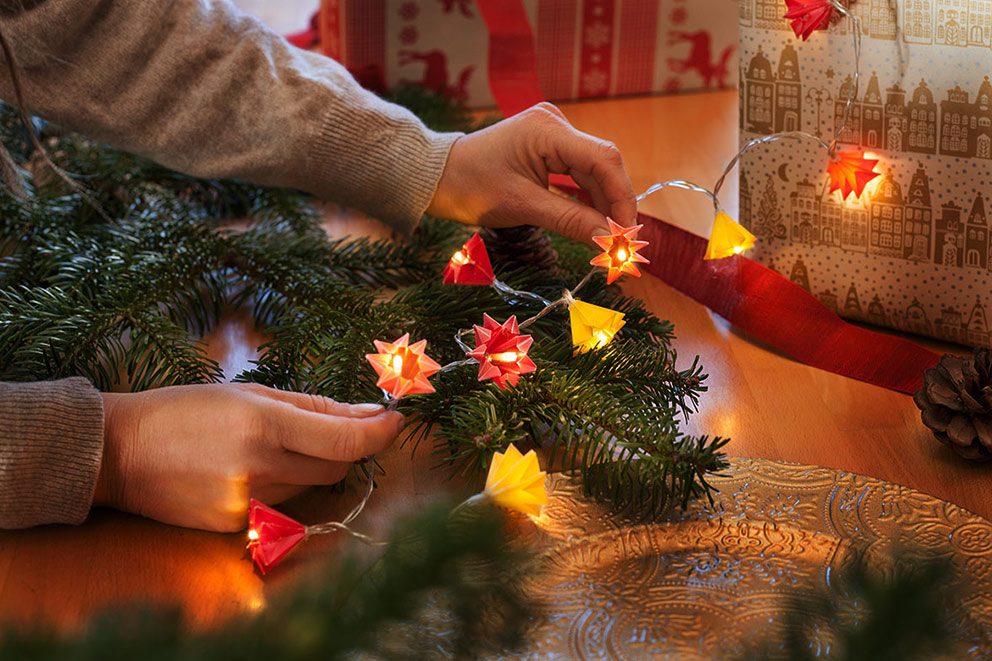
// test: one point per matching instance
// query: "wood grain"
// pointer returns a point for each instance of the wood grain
(771, 407)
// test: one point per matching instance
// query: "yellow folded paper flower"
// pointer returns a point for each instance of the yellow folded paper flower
(516, 482)
(593, 326)
(728, 238)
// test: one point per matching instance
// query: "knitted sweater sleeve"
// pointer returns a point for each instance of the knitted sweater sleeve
(50, 451)
(205, 89)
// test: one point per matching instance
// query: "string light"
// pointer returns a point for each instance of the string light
(272, 535)
(501, 351)
(403, 368)
(515, 481)
(470, 265)
(850, 172)
(807, 16)
(728, 238)
(593, 326)
(619, 254)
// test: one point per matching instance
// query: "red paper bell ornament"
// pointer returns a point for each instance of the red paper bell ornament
(470, 265)
(619, 254)
(807, 16)
(501, 351)
(850, 172)
(271, 535)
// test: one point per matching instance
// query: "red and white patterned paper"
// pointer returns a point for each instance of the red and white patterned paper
(585, 48)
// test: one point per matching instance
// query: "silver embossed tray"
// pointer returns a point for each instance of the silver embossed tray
(705, 585)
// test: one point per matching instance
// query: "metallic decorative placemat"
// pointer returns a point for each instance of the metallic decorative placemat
(716, 579)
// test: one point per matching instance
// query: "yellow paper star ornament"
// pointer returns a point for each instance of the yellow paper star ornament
(516, 482)
(728, 238)
(593, 326)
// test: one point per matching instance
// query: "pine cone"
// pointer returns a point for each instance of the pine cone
(524, 246)
(956, 403)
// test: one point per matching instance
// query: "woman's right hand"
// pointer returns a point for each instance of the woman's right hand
(193, 455)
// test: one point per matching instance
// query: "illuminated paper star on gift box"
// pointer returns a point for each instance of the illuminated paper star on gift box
(501, 351)
(619, 254)
(403, 368)
(271, 535)
(470, 264)
(728, 238)
(593, 326)
(807, 16)
(516, 481)
(850, 172)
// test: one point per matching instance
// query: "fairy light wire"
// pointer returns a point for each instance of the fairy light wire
(342, 525)
(830, 147)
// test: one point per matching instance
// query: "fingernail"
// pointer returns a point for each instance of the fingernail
(367, 408)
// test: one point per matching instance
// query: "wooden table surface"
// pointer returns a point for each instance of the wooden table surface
(771, 407)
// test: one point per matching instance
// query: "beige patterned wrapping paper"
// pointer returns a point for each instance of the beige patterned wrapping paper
(915, 252)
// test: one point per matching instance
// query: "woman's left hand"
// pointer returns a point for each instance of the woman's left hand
(498, 177)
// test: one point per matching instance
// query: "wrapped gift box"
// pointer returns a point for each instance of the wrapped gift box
(914, 251)
(585, 48)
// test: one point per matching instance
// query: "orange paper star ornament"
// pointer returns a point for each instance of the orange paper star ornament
(619, 254)
(850, 172)
(403, 368)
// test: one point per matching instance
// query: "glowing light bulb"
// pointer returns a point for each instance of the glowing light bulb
(397, 362)
(253, 535)
(619, 254)
(602, 339)
(738, 250)
(505, 357)
(460, 257)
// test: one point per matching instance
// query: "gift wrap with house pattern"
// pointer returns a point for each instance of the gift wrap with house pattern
(914, 252)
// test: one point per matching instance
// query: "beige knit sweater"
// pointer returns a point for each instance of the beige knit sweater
(202, 88)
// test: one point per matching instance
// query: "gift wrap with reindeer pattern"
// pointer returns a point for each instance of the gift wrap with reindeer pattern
(584, 48)
(914, 252)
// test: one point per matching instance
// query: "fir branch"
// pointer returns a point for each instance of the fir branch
(436, 569)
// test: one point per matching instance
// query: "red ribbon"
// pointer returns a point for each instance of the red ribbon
(755, 299)
(778, 312)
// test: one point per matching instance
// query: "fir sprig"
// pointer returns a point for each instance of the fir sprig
(448, 586)
(122, 297)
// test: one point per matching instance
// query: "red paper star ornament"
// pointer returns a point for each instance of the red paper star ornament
(619, 254)
(850, 172)
(403, 368)
(501, 351)
(271, 535)
(807, 16)
(470, 265)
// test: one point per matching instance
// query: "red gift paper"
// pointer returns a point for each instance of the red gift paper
(470, 265)
(271, 535)
(501, 351)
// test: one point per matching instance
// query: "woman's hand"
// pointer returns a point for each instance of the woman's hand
(193, 455)
(498, 177)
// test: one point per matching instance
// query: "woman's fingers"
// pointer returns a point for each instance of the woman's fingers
(316, 403)
(332, 437)
(566, 216)
(300, 470)
(571, 151)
